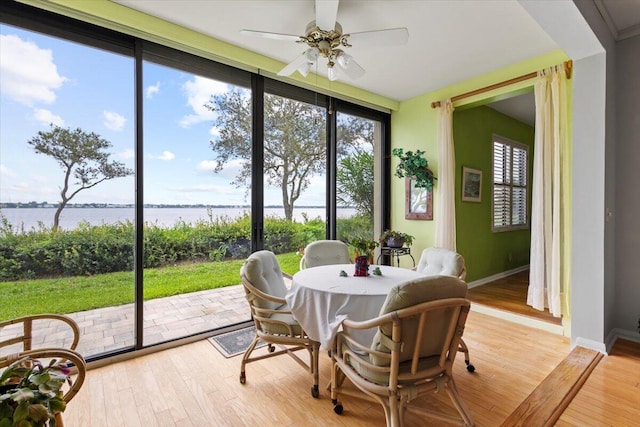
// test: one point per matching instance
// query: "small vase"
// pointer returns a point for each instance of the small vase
(362, 266)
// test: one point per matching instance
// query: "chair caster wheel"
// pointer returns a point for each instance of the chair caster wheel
(471, 368)
(272, 348)
(243, 378)
(337, 407)
(315, 392)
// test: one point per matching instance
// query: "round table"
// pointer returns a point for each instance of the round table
(320, 299)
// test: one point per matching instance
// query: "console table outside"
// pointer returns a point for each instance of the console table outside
(397, 253)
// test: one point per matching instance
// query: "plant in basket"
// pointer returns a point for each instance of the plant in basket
(395, 239)
(31, 393)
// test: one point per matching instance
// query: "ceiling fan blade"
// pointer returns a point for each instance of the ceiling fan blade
(267, 35)
(292, 66)
(326, 14)
(390, 37)
(350, 67)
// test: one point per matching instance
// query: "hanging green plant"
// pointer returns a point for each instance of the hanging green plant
(415, 166)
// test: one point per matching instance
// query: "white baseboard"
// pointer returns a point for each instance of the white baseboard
(593, 345)
(495, 277)
(625, 334)
(517, 318)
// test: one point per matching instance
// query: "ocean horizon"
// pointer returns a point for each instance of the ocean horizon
(31, 218)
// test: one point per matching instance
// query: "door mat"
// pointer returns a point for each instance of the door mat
(235, 342)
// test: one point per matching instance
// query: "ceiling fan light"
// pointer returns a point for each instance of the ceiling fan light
(344, 59)
(332, 73)
(312, 54)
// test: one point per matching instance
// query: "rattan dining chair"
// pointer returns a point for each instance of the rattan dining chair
(440, 261)
(18, 342)
(412, 353)
(325, 252)
(265, 291)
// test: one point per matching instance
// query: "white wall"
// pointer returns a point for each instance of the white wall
(627, 306)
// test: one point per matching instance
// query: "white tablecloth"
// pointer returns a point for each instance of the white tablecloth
(320, 299)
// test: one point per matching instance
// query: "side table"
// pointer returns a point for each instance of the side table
(395, 253)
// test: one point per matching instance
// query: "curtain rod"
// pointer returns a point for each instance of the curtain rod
(568, 67)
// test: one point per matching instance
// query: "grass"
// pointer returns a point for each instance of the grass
(72, 294)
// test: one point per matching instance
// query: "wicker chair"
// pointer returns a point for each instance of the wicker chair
(419, 330)
(441, 261)
(325, 252)
(24, 337)
(274, 323)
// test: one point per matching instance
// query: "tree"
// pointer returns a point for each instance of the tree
(294, 141)
(81, 155)
(355, 183)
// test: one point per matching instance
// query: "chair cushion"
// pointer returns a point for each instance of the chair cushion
(263, 271)
(279, 329)
(326, 252)
(440, 261)
(421, 290)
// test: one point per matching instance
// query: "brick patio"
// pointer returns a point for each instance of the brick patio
(112, 328)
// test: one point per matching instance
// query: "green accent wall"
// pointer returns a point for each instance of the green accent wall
(486, 252)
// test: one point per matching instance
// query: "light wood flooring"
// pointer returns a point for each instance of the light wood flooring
(194, 385)
(510, 294)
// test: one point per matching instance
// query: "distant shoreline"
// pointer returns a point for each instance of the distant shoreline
(155, 206)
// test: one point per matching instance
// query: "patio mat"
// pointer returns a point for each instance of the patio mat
(235, 342)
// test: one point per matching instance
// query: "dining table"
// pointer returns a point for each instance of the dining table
(320, 298)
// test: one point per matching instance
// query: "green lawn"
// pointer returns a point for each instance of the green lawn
(71, 294)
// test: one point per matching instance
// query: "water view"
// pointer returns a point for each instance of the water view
(162, 217)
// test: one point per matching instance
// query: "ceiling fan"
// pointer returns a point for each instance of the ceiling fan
(325, 39)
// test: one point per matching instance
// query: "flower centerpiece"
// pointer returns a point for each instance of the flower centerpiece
(415, 166)
(31, 393)
(395, 239)
(364, 254)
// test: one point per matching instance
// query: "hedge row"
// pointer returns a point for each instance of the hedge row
(90, 249)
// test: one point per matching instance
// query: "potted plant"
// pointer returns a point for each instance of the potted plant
(30, 393)
(395, 239)
(363, 254)
(415, 166)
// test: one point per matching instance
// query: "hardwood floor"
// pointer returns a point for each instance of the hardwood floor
(510, 294)
(194, 385)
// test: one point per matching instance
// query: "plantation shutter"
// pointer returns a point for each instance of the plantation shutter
(509, 184)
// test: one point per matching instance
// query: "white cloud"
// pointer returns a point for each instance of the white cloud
(27, 73)
(5, 171)
(46, 117)
(113, 121)
(127, 154)
(152, 90)
(207, 165)
(199, 92)
(166, 156)
(215, 189)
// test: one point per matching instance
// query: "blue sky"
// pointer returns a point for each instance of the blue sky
(46, 80)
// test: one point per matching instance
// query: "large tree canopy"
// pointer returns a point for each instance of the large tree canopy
(294, 146)
(294, 141)
(81, 155)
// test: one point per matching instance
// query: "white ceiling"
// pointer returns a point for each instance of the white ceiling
(449, 41)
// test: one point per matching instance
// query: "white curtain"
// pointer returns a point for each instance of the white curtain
(445, 209)
(550, 138)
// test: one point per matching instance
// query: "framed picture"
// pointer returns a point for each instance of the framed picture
(471, 185)
(418, 201)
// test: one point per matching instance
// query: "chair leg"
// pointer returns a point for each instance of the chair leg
(245, 359)
(462, 347)
(315, 368)
(452, 391)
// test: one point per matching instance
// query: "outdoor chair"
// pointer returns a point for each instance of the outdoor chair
(325, 252)
(440, 261)
(418, 332)
(265, 291)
